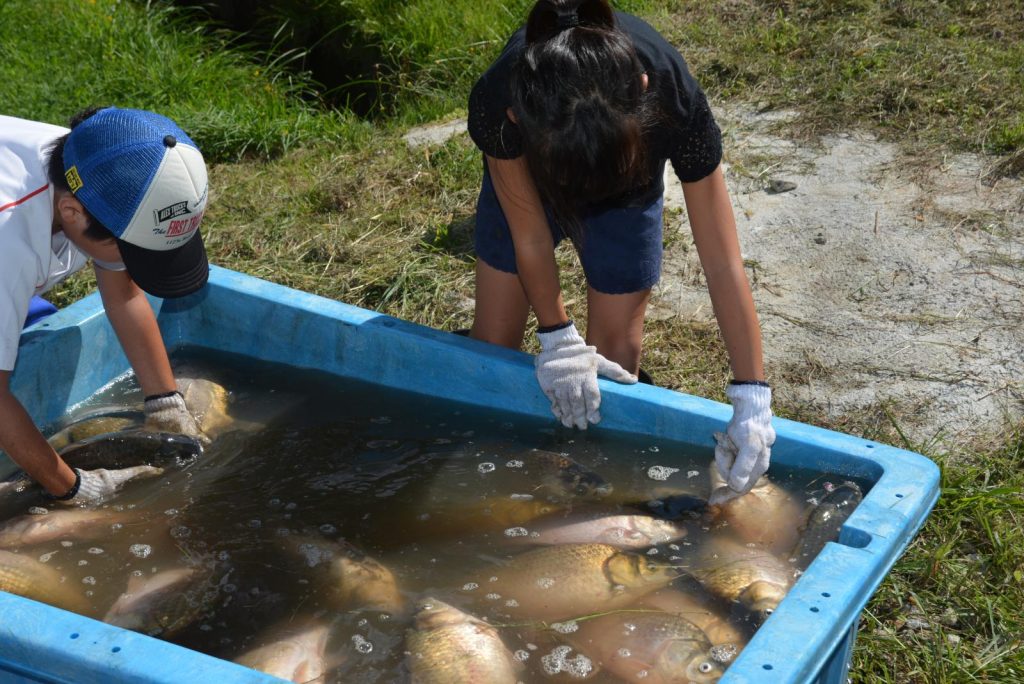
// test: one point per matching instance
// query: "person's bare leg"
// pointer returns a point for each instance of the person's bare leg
(615, 325)
(501, 307)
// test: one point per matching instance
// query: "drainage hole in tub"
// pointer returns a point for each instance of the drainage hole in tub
(75, 635)
(826, 594)
(899, 496)
(870, 446)
(814, 609)
(767, 667)
(115, 649)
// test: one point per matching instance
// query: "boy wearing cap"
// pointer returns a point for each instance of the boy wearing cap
(127, 189)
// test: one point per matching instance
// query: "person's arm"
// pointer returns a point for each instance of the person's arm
(714, 233)
(135, 324)
(22, 441)
(535, 255)
(743, 453)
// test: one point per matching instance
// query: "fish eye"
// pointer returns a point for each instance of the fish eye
(768, 611)
(705, 667)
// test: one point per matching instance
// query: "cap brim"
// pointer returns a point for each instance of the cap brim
(171, 273)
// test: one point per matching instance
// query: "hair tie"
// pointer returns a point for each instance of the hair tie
(568, 20)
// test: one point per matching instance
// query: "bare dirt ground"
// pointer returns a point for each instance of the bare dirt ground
(880, 280)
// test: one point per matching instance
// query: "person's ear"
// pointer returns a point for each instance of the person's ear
(511, 115)
(71, 212)
(645, 81)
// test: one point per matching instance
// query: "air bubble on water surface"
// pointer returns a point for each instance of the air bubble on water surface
(565, 627)
(625, 652)
(724, 653)
(642, 674)
(516, 532)
(522, 497)
(361, 644)
(660, 473)
(652, 552)
(82, 562)
(140, 550)
(545, 582)
(45, 558)
(470, 586)
(171, 512)
(37, 510)
(67, 544)
(521, 655)
(690, 474)
(328, 528)
(512, 603)
(115, 527)
(95, 550)
(89, 580)
(493, 578)
(493, 597)
(515, 463)
(181, 532)
(485, 468)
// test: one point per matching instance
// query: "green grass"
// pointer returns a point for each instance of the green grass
(59, 57)
(311, 199)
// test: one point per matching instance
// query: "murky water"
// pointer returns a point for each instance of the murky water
(440, 494)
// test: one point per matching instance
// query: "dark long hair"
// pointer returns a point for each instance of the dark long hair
(581, 107)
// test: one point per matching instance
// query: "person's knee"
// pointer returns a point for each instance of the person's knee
(504, 335)
(617, 347)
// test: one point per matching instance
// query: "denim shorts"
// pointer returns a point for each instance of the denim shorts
(620, 248)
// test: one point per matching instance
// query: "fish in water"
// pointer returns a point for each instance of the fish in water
(491, 514)
(620, 531)
(767, 515)
(559, 582)
(72, 523)
(703, 611)
(649, 648)
(164, 603)
(563, 477)
(825, 521)
(208, 402)
(95, 425)
(753, 577)
(295, 652)
(32, 579)
(359, 581)
(449, 646)
(132, 448)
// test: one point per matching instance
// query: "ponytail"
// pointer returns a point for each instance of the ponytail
(580, 105)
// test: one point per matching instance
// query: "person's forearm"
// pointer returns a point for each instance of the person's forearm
(737, 319)
(22, 441)
(539, 275)
(133, 320)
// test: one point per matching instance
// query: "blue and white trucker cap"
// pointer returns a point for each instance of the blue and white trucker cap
(144, 179)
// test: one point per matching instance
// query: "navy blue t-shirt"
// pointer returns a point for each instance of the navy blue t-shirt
(685, 131)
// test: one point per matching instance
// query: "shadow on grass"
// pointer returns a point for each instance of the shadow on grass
(455, 239)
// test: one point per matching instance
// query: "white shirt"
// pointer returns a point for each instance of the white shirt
(32, 258)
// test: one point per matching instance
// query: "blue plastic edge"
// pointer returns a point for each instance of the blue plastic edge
(244, 315)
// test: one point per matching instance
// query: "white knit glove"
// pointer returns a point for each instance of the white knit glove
(169, 413)
(567, 371)
(95, 486)
(743, 458)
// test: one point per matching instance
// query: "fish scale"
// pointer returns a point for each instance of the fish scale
(29, 578)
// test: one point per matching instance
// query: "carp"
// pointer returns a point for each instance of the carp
(34, 580)
(620, 531)
(826, 520)
(132, 448)
(559, 582)
(448, 646)
(294, 653)
(753, 577)
(164, 603)
(702, 611)
(71, 523)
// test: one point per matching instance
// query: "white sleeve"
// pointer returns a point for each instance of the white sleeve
(17, 284)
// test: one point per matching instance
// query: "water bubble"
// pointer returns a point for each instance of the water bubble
(328, 528)
(565, 627)
(493, 597)
(514, 464)
(362, 623)
(625, 652)
(82, 562)
(89, 580)
(724, 653)
(652, 552)
(314, 555)
(95, 550)
(181, 532)
(223, 555)
(660, 473)
(532, 647)
(629, 628)
(512, 603)
(642, 674)
(485, 468)
(522, 497)
(545, 582)
(115, 527)
(674, 547)
(274, 502)
(361, 644)
(291, 506)
(535, 535)
(521, 655)
(470, 586)
(67, 544)
(38, 510)
(171, 512)
(690, 474)
(140, 550)
(136, 573)
(45, 558)
(517, 532)
(493, 578)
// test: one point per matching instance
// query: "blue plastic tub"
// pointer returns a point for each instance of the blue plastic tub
(71, 355)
